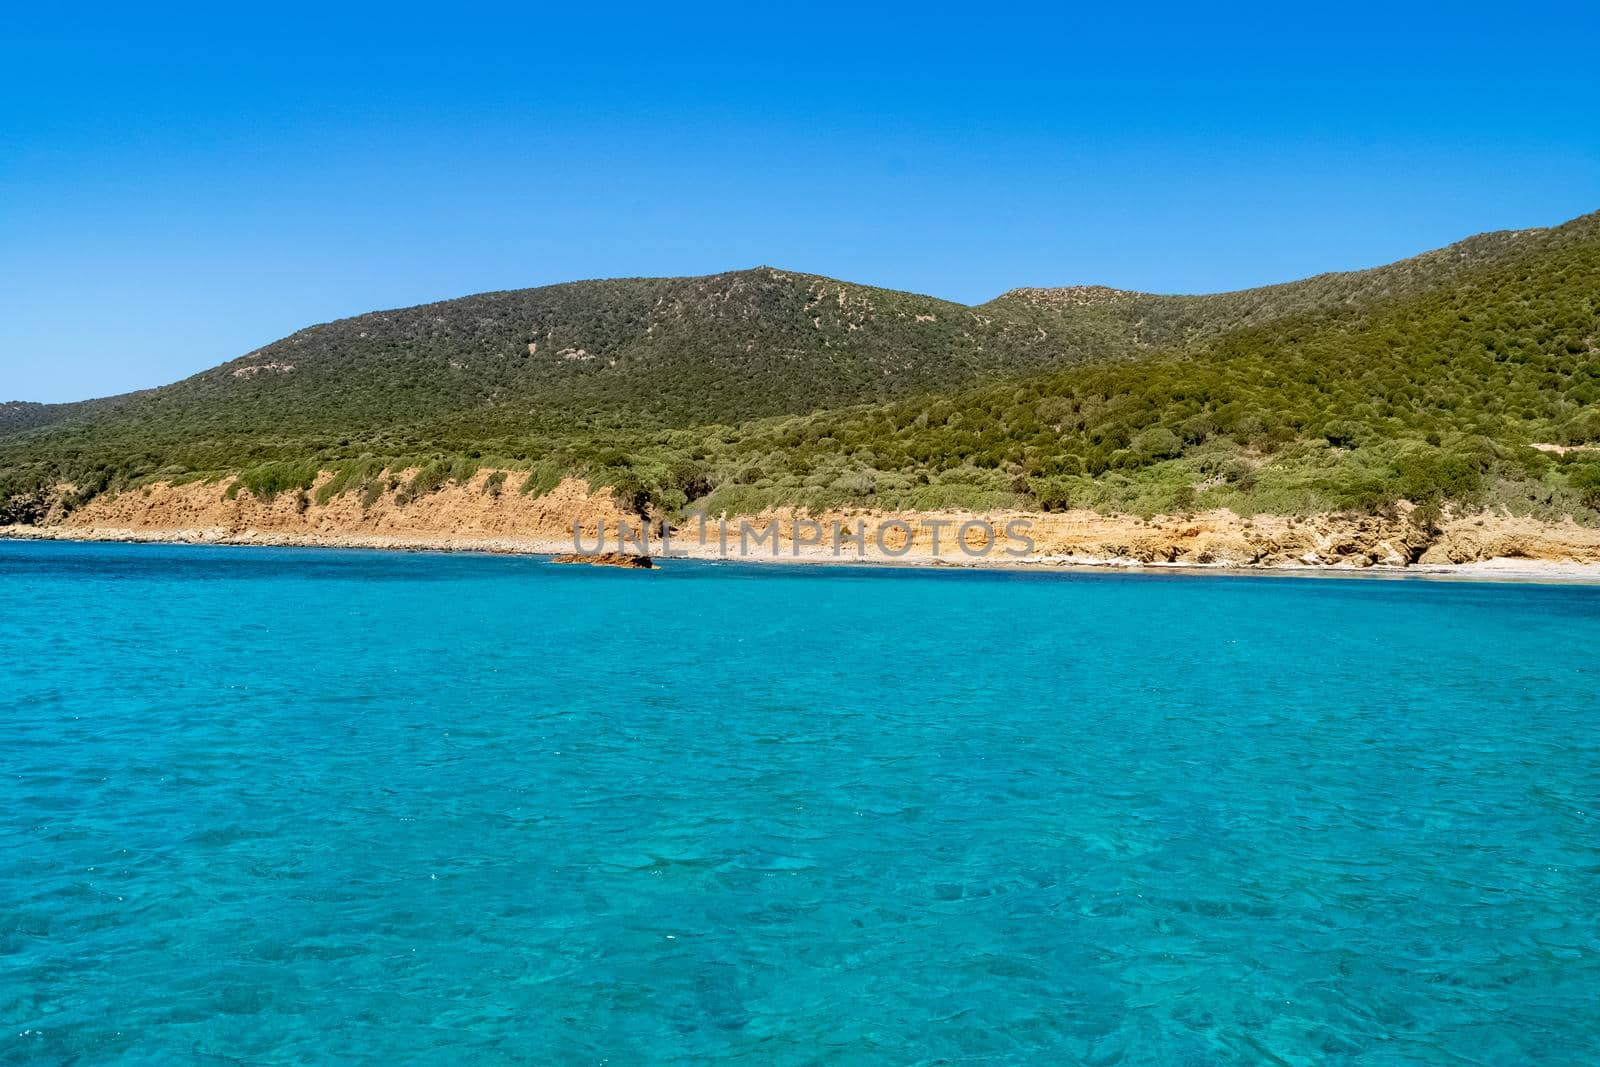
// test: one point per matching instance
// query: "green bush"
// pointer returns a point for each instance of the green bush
(1585, 478)
(353, 475)
(1430, 475)
(1156, 443)
(269, 479)
(543, 478)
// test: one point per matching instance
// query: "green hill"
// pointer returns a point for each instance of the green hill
(1379, 387)
(19, 415)
(628, 351)
(1165, 321)
(765, 386)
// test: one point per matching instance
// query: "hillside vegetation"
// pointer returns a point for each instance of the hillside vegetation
(1428, 381)
(1433, 398)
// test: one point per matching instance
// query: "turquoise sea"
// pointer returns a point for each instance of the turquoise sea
(268, 806)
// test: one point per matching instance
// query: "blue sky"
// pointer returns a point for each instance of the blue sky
(179, 185)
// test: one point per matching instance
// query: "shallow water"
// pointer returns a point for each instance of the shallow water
(289, 806)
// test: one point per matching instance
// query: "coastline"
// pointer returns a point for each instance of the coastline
(471, 516)
(1501, 569)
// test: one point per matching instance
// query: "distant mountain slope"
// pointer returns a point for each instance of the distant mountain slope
(1157, 321)
(591, 373)
(20, 416)
(687, 351)
(1433, 395)
(678, 350)
(675, 351)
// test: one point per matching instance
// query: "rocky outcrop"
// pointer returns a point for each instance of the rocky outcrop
(488, 513)
(1477, 539)
(477, 509)
(607, 559)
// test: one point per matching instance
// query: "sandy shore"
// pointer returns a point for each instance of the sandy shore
(1500, 569)
(473, 518)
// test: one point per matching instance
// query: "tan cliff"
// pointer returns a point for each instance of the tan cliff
(478, 515)
(457, 515)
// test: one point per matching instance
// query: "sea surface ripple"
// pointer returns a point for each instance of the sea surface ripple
(290, 806)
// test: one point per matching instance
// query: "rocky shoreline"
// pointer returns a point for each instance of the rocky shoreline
(1497, 568)
(469, 517)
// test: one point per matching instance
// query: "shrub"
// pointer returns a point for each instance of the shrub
(270, 479)
(1585, 478)
(355, 474)
(1343, 433)
(1053, 494)
(1583, 427)
(1432, 475)
(430, 478)
(1156, 443)
(1241, 474)
(541, 479)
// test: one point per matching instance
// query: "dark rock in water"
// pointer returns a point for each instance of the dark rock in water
(607, 559)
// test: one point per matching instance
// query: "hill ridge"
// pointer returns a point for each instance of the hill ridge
(1186, 316)
(763, 385)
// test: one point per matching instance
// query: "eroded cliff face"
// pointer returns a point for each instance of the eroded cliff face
(473, 515)
(1212, 538)
(465, 512)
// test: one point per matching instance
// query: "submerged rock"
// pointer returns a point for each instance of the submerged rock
(607, 559)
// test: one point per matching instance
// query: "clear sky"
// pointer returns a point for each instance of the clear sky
(181, 185)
